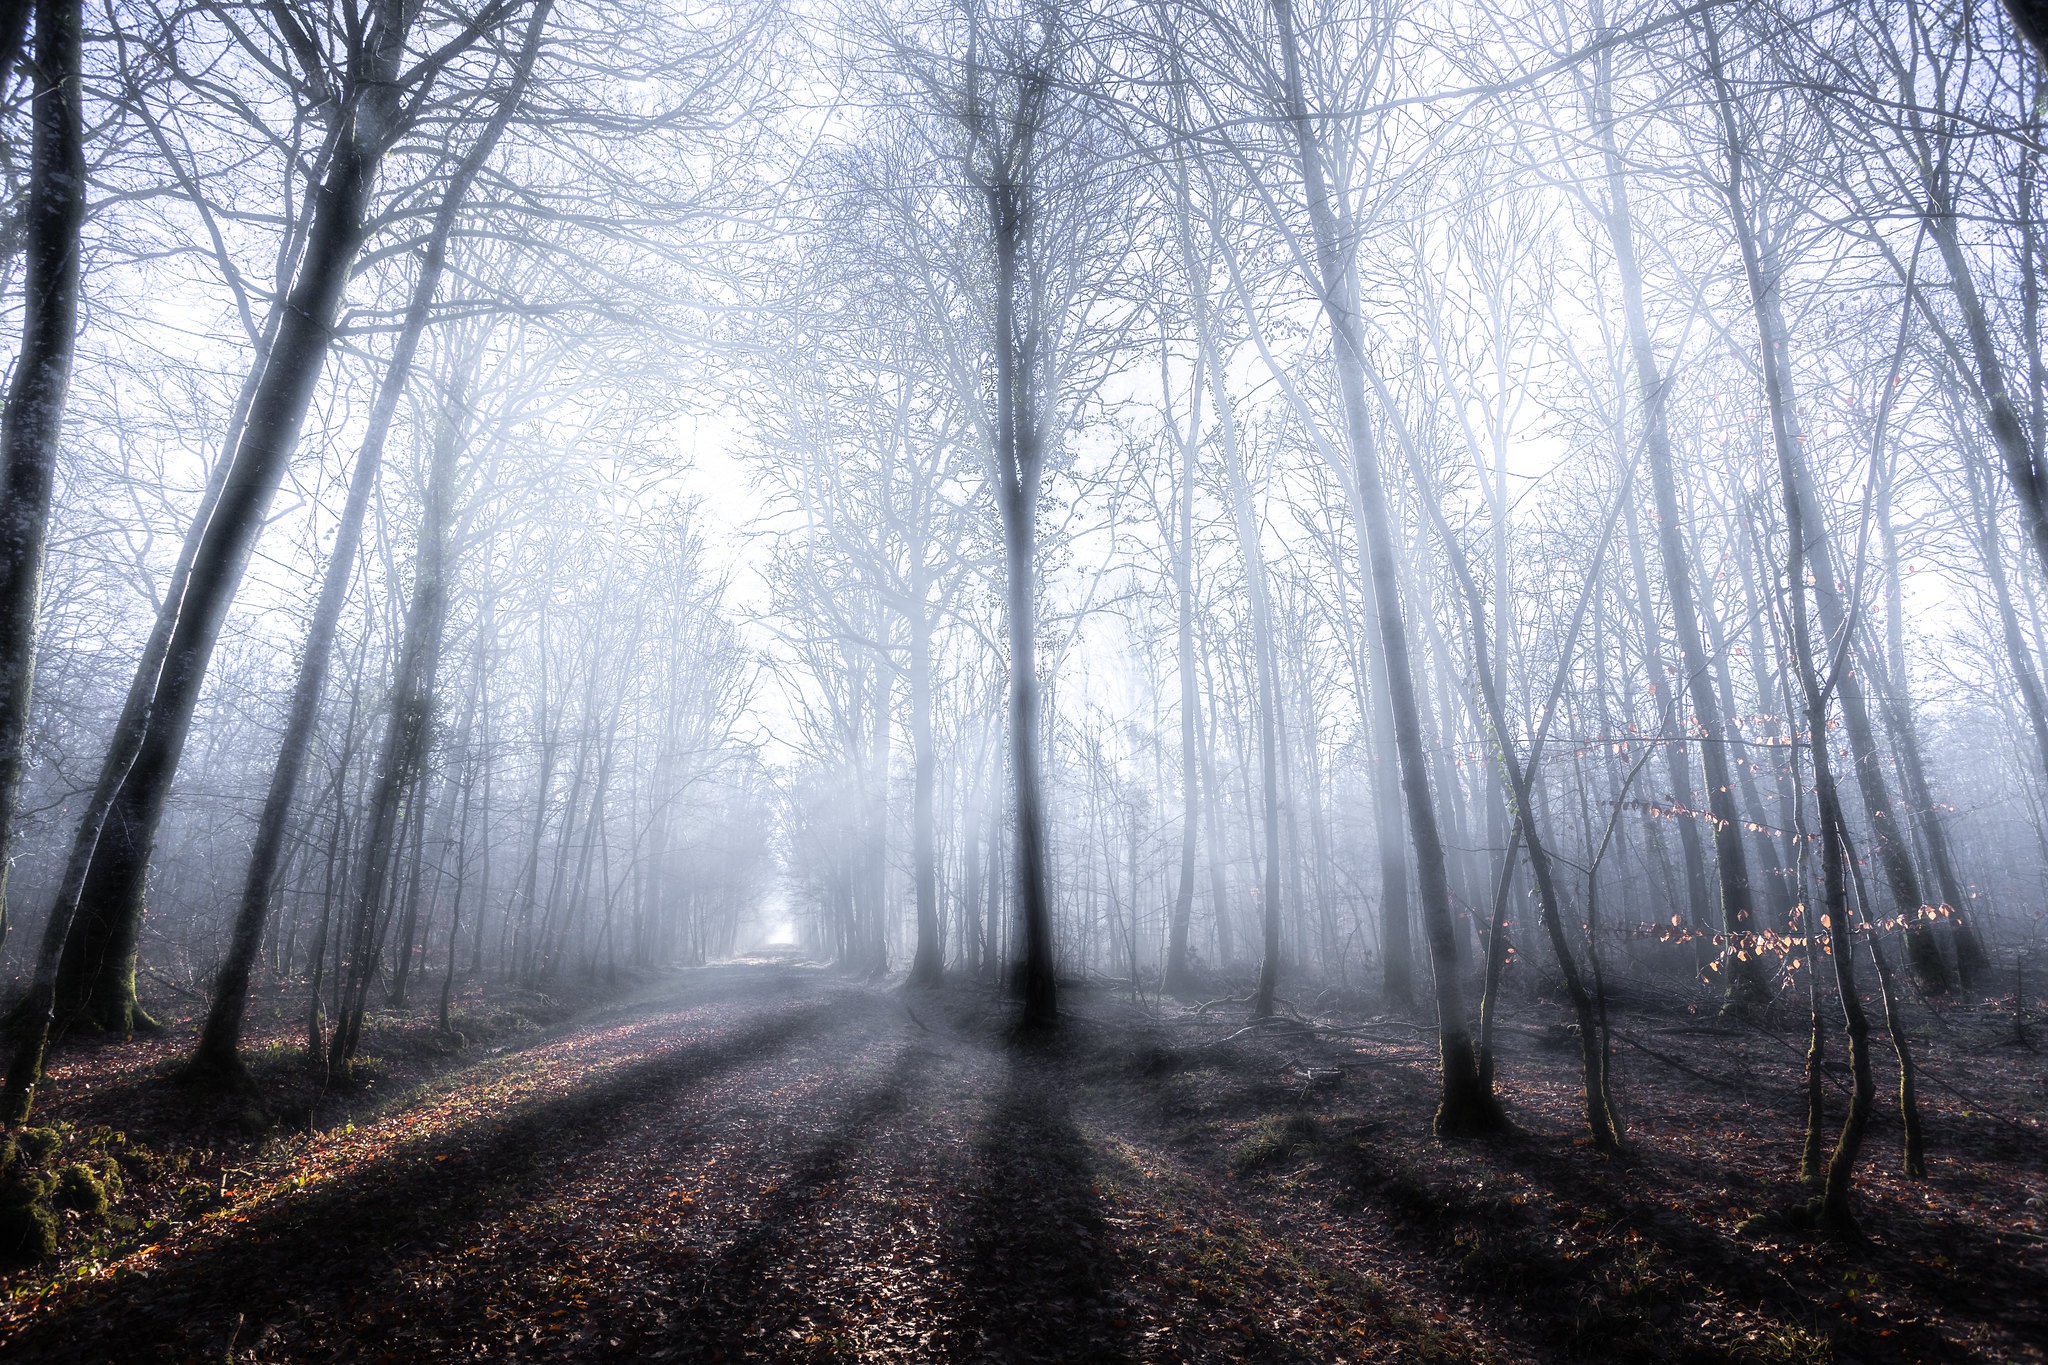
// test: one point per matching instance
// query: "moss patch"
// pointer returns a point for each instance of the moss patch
(52, 1170)
(80, 1188)
(28, 1231)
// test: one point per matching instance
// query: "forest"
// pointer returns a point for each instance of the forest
(986, 680)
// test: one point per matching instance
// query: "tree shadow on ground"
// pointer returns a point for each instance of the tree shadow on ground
(1619, 1281)
(750, 1299)
(325, 1248)
(1036, 1265)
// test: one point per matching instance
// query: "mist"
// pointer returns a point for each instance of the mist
(1326, 603)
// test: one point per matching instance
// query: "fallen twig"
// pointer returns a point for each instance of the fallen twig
(169, 984)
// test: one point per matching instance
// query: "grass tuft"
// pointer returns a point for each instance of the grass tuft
(1277, 1137)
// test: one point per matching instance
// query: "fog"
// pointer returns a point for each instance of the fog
(1273, 501)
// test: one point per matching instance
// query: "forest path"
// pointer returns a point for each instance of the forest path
(768, 1163)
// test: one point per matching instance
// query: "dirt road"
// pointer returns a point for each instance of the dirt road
(774, 1164)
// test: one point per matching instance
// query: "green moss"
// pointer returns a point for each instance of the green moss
(40, 1145)
(140, 1164)
(1277, 1137)
(26, 1187)
(78, 1187)
(28, 1232)
(9, 1152)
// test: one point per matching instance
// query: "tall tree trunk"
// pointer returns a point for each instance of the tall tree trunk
(520, 927)
(460, 853)
(1376, 716)
(2026, 676)
(1774, 347)
(1465, 1107)
(97, 980)
(1800, 559)
(1602, 1118)
(1984, 371)
(30, 430)
(1672, 741)
(874, 944)
(1019, 464)
(221, 1035)
(415, 884)
(1244, 521)
(1913, 1151)
(928, 966)
(1179, 979)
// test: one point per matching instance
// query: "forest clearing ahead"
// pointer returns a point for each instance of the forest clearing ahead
(767, 1161)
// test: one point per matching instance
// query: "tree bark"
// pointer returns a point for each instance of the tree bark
(31, 430)
(1245, 522)
(1774, 347)
(1007, 194)
(1179, 978)
(1800, 557)
(928, 964)
(408, 733)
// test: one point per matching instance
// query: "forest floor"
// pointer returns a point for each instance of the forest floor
(764, 1161)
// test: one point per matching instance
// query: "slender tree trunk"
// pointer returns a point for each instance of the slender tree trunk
(460, 853)
(408, 733)
(1740, 964)
(1019, 461)
(1913, 1151)
(874, 941)
(2009, 432)
(928, 966)
(409, 917)
(1179, 979)
(32, 425)
(1800, 559)
(973, 943)
(2026, 677)
(1465, 1107)
(1219, 851)
(1244, 520)
(1672, 740)
(1602, 1118)
(1774, 344)
(1395, 941)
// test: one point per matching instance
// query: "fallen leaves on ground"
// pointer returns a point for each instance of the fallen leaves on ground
(766, 1162)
